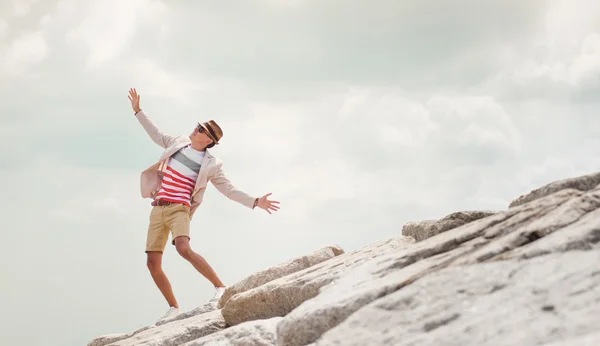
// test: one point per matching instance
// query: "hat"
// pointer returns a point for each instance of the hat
(213, 130)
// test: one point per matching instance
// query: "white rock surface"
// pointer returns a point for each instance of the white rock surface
(110, 338)
(177, 332)
(467, 244)
(592, 339)
(362, 285)
(529, 275)
(252, 333)
(581, 183)
(280, 296)
(528, 302)
(421, 230)
(583, 234)
(202, 309)
(280, 270)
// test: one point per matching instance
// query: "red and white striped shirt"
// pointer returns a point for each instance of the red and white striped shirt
(180, 176)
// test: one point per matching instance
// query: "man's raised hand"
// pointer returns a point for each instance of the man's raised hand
(266, 204)
(134, 97)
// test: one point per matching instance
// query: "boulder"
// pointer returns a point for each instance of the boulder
(588, 339)
(202, 309)
(471, 243)
(569, 214)
(280, 270)
(527, 302)
(111, 338)
(252, 333)
(421, 230)
(177, 332)
(581, 183)
(280, 296)
(526, 275)
(583, 234)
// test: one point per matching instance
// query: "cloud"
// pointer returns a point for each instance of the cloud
(3, 29)
(580, 69)
(394, 43)
(157, 82)
(23, 52)
(561, 58)
(108, 28)
(475, 121)
(387, 115)
(22, 7)
(585, 67)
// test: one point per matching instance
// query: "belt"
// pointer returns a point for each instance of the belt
(160, 202)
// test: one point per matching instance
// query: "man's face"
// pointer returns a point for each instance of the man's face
(199, 135)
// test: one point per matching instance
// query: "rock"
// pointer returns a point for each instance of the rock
(112, 338)
(177, 332)
(526, 275)
(421, 230)
(108, 339)
(559, 218)
(592, 339)
(202, 309)
(581, 183)
(377, 278)
(280, 296)
(280, 270)
(583, 234)
(252, 333)
(527, 302)
(310, 320)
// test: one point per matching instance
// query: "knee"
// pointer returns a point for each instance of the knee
(153, 264)
(184, 250)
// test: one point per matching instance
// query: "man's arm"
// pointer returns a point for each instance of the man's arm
(222, 183)
(158, 136)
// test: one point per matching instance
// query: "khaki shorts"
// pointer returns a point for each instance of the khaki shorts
(173, 217)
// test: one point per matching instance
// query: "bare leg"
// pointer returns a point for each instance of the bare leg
(183, 247)
(160, 278)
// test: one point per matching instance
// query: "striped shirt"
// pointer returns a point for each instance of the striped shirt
(180, 176)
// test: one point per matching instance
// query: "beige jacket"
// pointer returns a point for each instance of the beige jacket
(210, 169)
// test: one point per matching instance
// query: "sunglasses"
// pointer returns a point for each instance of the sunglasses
(202, 129)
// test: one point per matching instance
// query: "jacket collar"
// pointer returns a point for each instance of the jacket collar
(203, 170)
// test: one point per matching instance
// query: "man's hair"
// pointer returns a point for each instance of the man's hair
(210, 145)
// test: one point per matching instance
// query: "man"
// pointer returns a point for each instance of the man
(177, 183)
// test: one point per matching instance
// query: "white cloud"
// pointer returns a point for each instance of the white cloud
(585, 67)
(578, 69)
(292, 4)
(24, 51)
(476, 120)
(22, 7)
(108, 27)
(566, 22)
(155, 80)
(3, 29)
(74, 197)
(566, 50)
(393, 117)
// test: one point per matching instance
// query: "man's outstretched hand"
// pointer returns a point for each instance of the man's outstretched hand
(134, 97)
(266, 204)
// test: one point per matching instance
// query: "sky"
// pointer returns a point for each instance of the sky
(357, 116)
